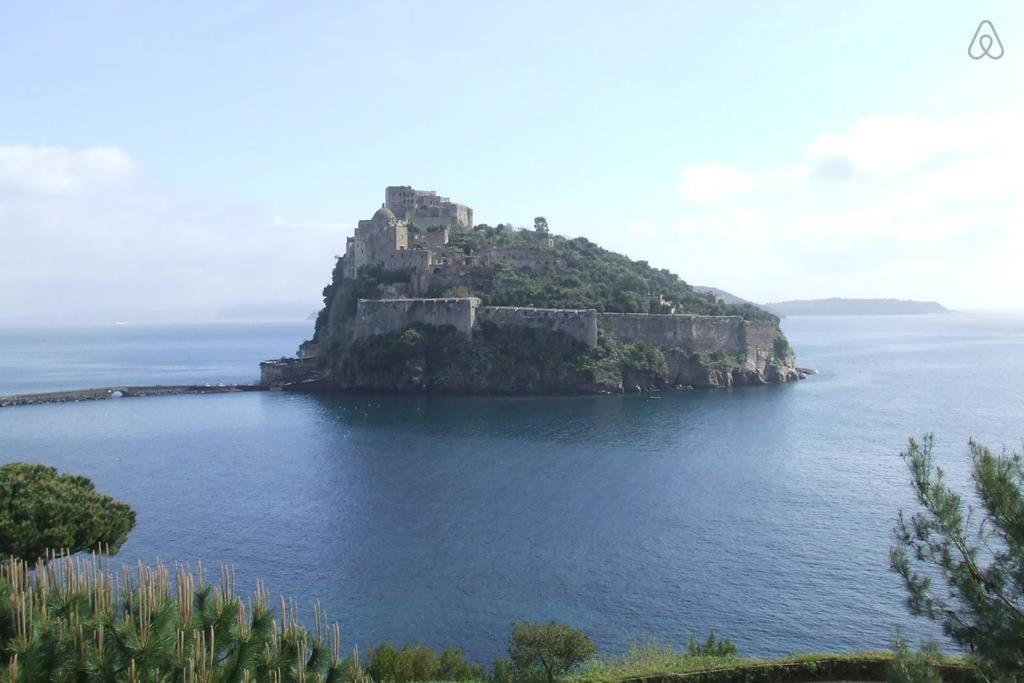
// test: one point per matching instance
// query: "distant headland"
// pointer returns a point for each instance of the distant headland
(833, 306)
(425, 300)
(838, 306)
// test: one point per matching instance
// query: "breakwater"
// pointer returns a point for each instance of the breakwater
(109, 393)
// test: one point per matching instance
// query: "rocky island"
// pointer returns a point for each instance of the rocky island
(425, 300)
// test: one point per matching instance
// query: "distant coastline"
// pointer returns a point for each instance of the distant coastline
(833, 305)
(840, 306)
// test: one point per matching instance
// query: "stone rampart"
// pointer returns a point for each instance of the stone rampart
(691, 333)
(729, 335)
(580, 324)
(759, 339)
(380, 316)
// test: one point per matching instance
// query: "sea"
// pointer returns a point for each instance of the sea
(764, 513)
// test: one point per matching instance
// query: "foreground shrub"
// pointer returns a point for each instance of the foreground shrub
(385, 663)
(41, 510)
(712, 647)
(908, 666)
(553, 647)
(71, 621)
(652, 658)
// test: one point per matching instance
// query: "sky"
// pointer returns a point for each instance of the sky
(181, 158)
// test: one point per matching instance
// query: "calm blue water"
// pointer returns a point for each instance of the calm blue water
(764, 513)
(49, 358)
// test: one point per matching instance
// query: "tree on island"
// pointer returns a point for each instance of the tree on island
(977, 553)
(42, 511)
(540, 224)
(554, 647)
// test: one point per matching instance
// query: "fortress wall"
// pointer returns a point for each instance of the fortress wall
(579, 324)
(380, 316)
(759, 339)
(692, 333)
(718, 333)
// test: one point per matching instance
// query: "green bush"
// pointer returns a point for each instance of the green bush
(388, 664)
(454, 667)
(42, 512)
(712, 647)
(554, 647)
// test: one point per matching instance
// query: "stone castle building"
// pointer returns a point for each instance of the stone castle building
(405, 231)
(411, 231)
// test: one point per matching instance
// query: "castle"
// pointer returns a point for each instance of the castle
(415, 234)
(411, 231)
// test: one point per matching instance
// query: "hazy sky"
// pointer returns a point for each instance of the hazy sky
(194, 155)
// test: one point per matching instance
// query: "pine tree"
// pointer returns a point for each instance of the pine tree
(42, 512)
(963, 566)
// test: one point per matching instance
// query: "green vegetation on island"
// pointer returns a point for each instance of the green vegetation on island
(516, 360)
(587, 276)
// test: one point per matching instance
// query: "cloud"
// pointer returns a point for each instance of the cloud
(62, 171)
(900, 206)
(82, 232)
(889, 145)
(711, 182)
(836, 169)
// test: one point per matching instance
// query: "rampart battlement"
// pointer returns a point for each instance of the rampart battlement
(380, 316)
(578, 323)
(731, 335)
(726, 334)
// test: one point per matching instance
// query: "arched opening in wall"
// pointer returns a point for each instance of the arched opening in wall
(437, 271)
